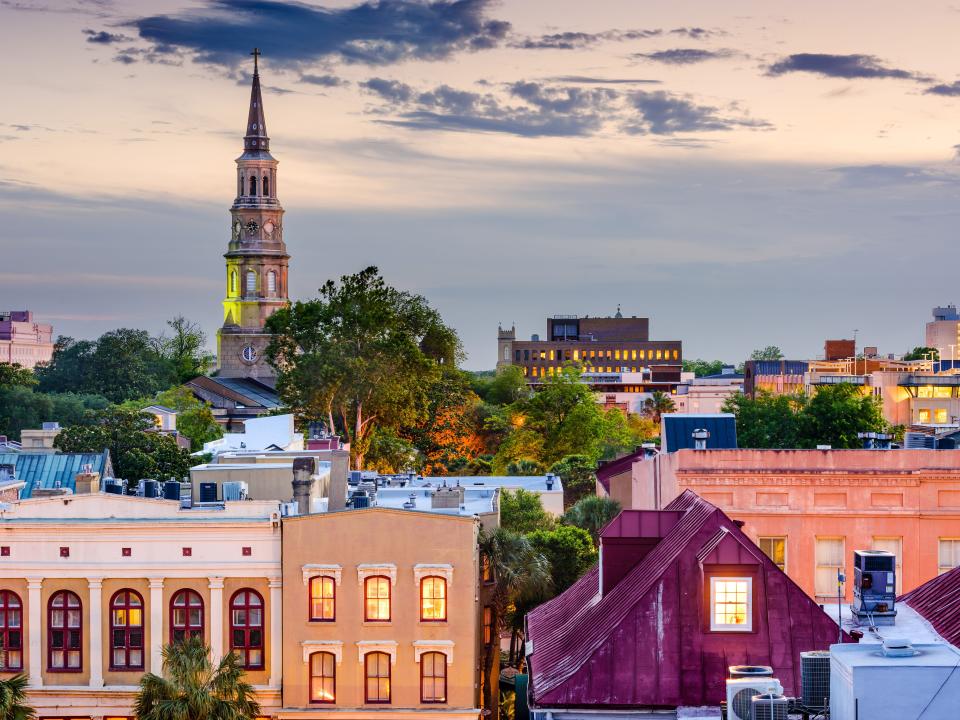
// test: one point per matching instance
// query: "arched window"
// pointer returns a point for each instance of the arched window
(233, 282)
(323, 677)
(253, 185)
(433, 678)
(377, 670)
(64, 633)
(126, 631)
(377, 596)
(251, 288)
(433, 599)
(246, 628)
(240, 184)
(323, 599)
(186, 616)
(11, 632)
(266, 186)
(272, 284)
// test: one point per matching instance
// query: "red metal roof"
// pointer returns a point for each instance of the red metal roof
(938, 601)
(646, 642)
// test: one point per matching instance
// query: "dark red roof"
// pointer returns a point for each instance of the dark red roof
(646, 641)
(938, 601)
(609, 468)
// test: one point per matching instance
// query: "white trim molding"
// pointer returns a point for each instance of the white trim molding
(422, 570)
(385, 646)
(441, 646)
(309, 571)
(365, 570)
(330, 646)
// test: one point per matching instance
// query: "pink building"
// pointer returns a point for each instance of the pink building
(24, 341)
(810, 509)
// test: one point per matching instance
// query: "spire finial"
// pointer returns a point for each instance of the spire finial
(256, 58)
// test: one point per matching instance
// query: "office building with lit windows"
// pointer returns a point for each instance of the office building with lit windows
(616, 353)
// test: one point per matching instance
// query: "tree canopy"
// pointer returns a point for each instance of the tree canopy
(833, 416)
(701, 368)
(521, 511)
(591, 514)
(363, 355)
(922, 353)
(770, 352)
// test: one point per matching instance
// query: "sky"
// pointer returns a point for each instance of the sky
(743, 173)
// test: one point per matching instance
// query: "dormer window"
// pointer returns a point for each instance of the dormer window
(731, 604)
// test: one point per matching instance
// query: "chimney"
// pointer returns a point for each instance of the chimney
(550, 479)
(87, 481)
(700, 437)
(304, 468)
(447, 498)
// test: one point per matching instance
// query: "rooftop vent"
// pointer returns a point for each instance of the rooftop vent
(898, 647)
(700, 437)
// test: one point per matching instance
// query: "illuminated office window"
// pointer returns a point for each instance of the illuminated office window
(633, 354)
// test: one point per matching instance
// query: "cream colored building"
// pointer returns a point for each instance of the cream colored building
(381, 615)
(93, 585)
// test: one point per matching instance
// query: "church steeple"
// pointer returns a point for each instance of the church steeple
(256, 137)
(256, 277)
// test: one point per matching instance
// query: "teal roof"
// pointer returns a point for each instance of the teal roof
(47, 469)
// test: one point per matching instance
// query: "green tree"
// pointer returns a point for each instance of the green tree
(21, 408)
(191, 688)
(770, 352)
(13, 699)
(591, 514)
(362, 355)
(195, 418)
(570, 551)
(657, 405)
(387, 453)
(524, 466)
(137, 449)
(519, 570)
(521, 511)
(767, 421)
(922, 353)
(701, 368)
(578, 473)
(506, 386)
(184, 349)
(15, 375)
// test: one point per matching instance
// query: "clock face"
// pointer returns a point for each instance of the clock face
(249, 354)
(252, 228)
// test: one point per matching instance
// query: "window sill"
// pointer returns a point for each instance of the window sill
(377, 623)
(125, 670)
(319, 620)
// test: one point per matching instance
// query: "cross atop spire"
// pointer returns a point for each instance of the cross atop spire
(256, 135)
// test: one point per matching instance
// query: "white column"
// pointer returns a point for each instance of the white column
(276, 631)
(34, 615)
(156, 625)
(96, 631)
(216, 619)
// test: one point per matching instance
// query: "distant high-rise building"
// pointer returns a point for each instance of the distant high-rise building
(943, 332)
(257, 258)
(23, 341)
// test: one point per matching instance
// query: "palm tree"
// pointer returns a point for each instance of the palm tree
(191, 689)
(657, 405)
(591, 514)
(13, 697)
(519, 571)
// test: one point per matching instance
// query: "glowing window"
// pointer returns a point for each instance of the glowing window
(323, 677)
(543, 354)
(576, 354)
(633, 354)
(126, 631)
(659, 354)
(377, 599)
(551, 355)
(433, 678)
(593, 353)
(775, 548)
(676, 354)
(923, 415)
(377, 666)
(433, 599)
(731, 604)
(640, 354)
(940, 416)
(942, 392)
(616, 354)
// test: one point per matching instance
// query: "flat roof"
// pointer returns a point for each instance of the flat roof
(533, 483)
(476, 501)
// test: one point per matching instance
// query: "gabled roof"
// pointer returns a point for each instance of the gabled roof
(46, 470)
(938, 601)
(241, 391)
(584, 645)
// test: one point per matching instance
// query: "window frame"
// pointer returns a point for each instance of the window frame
(434, 598)
(333, 659)
(728, 628)
(432, 655)
(65, 628)
(6, 610)
(126, 628)
(333, 598)
(367, 599)
(366, 678)
(243, 651)
(187, 627)
(247, 277)
(769, 538)
(817, 565)
(487, 624)
(955, 544)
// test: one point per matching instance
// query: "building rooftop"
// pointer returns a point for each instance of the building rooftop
(52, 470)
(678, 428)
(118, 509)
(532, 483)
(937, 601)
(476, 501)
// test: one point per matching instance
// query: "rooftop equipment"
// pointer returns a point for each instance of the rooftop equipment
(171, 490)
(151, 489)
(235, 490)
(815, 679)
(113, 487)
(208, 492)
(769, 706)
(740, 692)
(742, 671)
(874, 586)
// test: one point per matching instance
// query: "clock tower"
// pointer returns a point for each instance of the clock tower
(256, 277)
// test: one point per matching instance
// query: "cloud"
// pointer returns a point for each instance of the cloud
(157, 54)
(696, 33)
(539, 109)
(840, 66)
(684, 56)
(662, 113)
(323, 80)
(587, 80)
(875, 176)
(293, 34)
(947, 89)
(102, 37)
(572, 40)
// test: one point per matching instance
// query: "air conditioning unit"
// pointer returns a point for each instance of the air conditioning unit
(769, 707)
(815, 678)
(740, 692)
(874, 586)
(235, 490)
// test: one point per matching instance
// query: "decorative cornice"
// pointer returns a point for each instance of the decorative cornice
(365, 570)
(331, 646)
(441, 646)
(385, 646)
(422, 570)
(831, 481)
(312, 570)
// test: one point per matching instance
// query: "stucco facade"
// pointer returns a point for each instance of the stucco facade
(23, 340)
(403, 548)
(813, 508)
